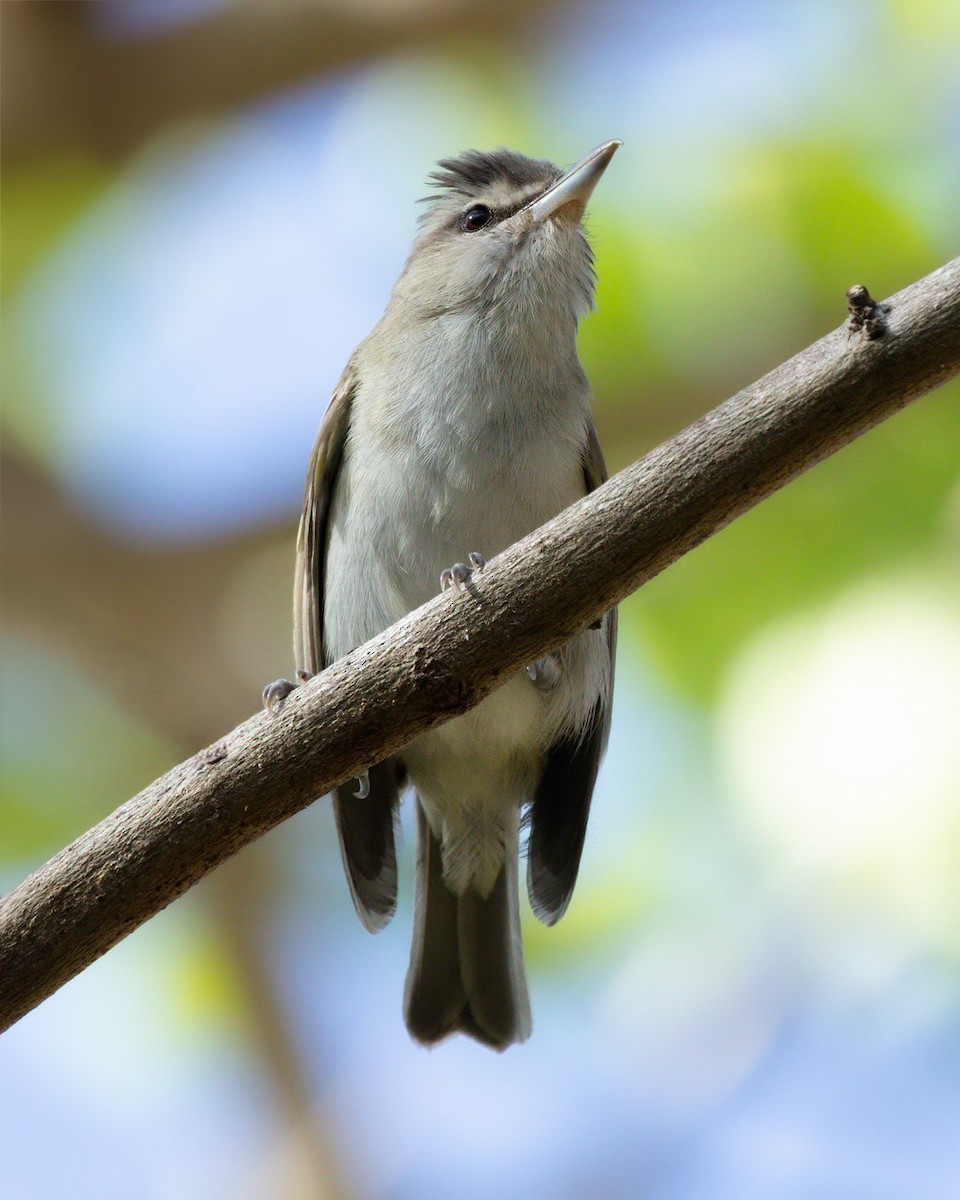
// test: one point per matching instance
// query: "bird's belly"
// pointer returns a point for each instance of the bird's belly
(472, 775)
(394, 530)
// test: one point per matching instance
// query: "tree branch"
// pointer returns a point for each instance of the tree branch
(67, 87)
(449, 654)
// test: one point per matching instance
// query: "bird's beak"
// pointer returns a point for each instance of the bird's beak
(574, 187)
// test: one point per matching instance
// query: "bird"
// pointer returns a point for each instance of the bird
(461, 423)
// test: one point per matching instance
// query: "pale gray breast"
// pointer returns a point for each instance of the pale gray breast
(452, 449)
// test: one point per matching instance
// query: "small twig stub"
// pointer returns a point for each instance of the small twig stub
(867, 316)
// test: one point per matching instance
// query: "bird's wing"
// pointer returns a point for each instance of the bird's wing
(365, 826)
(561, 806)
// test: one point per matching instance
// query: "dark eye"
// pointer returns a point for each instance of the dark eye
(475, 218)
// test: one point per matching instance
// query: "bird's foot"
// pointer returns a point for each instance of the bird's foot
(545, 673)
(460, 575)
(275, 693)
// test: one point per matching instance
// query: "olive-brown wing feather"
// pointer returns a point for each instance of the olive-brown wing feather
(365, 826)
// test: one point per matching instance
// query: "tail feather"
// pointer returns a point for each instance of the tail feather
(491, 961)
(433, 994)
(466, 966)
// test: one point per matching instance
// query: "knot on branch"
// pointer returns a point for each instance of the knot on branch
(447, 690)
(867, 316)
(215, 753)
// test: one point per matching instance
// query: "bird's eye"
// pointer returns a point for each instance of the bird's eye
(475, 218)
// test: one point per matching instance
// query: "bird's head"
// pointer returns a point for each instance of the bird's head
(504, 233)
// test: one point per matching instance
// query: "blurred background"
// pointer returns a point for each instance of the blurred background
(756, 991)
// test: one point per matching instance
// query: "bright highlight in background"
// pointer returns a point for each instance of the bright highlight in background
(841, 735)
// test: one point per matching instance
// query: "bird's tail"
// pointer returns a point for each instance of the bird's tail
(466, 966)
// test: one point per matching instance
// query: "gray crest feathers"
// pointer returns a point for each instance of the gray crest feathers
(473, 170)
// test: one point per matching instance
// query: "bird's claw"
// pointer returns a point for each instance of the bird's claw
(545, 673)
(275, 693)
(455, 576)
(459, 575)
(363, 785)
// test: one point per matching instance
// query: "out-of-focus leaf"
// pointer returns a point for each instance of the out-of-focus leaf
(880, 500)
(52, 787)
(707, 281)
(39, 204)
(933, 24)
(616, 338)
(845, 226)
(603, 911)
(205, 990)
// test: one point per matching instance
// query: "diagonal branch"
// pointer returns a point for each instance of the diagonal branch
(449, 654)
